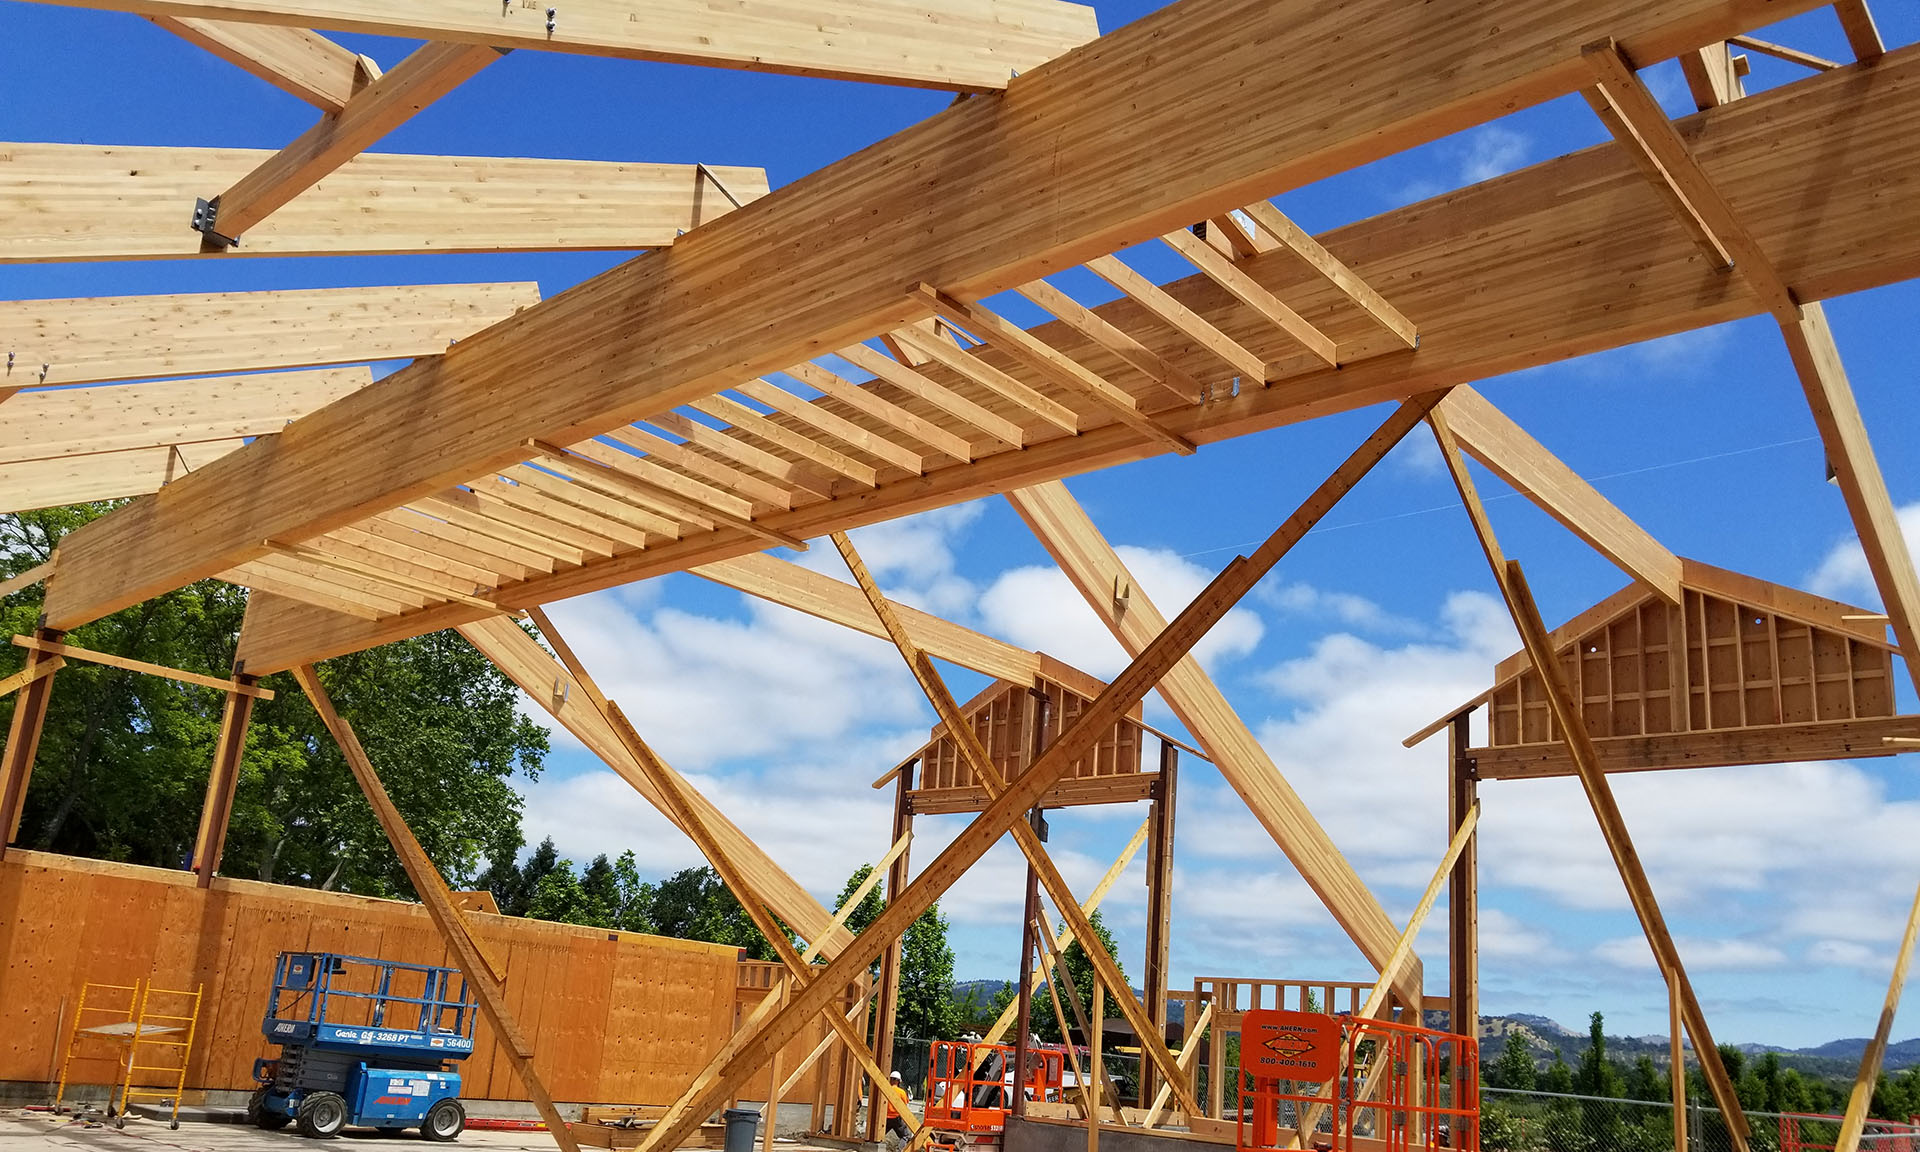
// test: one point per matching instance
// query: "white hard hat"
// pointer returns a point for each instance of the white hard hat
(893, 1075)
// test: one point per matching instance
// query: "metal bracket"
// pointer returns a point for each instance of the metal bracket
(206, 213)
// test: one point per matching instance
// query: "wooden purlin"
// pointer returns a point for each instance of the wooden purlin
(1093, 567)
(301, 63)
(96, 339)
(372, 203)
(428, 73)
(1112, 177)
(1773, 744)
(29, 484)
(973, 48)
(1549, 300)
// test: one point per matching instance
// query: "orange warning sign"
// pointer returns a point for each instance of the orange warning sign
(1282, 1045)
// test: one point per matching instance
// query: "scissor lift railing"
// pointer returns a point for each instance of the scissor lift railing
(155, 1028)
(1395, 1088)
(968, 1086)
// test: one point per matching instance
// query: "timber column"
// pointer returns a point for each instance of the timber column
(23, 737)
(1159, 902)
(217, 808)
(887, 1003)
(1463, 892)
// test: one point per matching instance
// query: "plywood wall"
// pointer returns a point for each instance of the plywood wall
(615, 1017)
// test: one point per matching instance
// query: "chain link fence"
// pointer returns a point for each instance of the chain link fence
(1513, 1120)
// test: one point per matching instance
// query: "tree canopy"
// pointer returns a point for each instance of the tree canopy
(1080, 974)
(124, 757)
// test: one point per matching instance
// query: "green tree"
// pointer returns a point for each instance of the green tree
(927, 1009)
(1559, 1077)
(693, 904)
(124, 757)
(1514, 1068)
(1080, 974)
(558, 895)
(1644, 1081)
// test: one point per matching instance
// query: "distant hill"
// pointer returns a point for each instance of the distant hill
(1545, 1037)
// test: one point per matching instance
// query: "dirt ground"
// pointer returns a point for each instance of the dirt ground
(23, 1131)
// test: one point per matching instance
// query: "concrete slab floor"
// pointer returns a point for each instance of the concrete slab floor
(24, 1131)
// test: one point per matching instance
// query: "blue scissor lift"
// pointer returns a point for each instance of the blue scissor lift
(364, 1042)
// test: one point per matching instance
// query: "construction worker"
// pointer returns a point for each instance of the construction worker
(895, 1125)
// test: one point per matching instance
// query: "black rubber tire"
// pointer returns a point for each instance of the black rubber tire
(321, 1115)
(261, 1116)
(444, 1121)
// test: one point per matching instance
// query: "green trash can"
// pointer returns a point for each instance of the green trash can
(743, 1124)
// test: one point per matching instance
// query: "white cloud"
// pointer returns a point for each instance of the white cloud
(1344, 608)
(1506, 937)
(1478, 154)
(1722, 955)
(1843, 574)
(1038, 608)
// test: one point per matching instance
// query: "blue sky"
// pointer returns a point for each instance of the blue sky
(1786, 884)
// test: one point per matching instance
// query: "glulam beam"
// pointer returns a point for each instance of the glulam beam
(974, 47)
(950, 201)
(299, 62)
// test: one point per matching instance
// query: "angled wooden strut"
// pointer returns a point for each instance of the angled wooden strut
(548, 683)
(216, 811)
(1090, 562)
(1861, 1098)
(1672, 168)
(677, 794)
(1489, 436)
(23, 733)
(1105, 968)
(484, 975)
(1116, 701)
(432, 71)
(303, 64)
(1606, 810)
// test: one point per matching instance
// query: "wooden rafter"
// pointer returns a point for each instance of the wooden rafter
(618, 478)
(1783, 52)
(92, 340)
(839, 427)
(726, 444)
(432, 71)
(135, 198)
(622, 519)
(978, 49)
(1250, 292)
(1714, 75)
(787, 439)
(1092, 326)
(1171, 312)
(464, 510)
(1052, 363)
(1008, 387)
(918, 385)
(760, 493)
(73, 652)
(1540, 308)
(519, 491)
(1856, 20)
(384, 572)
(1301, 243)
(299, 62)
(885, 411)
(492, 499)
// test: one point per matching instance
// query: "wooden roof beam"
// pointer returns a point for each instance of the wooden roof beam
(1096, 328)
(1248, 291)
(621, 480)
(412, 582)
(1764, 744)
(704, 468)
(494, 498)
(1489, 436)
(918, 385)
(800, 476)
(1055, 365)
(60, 480)
(476, 547)
(463, 509)
(1180, 318)
(695, 495)
(839, 427)
(864, 400)
(379, 539)
(93, 340)
(780, 436)
(608, 509)
(1783, 52)
(136, 200)
(1714, 75)
(971, 367)
(299, 62)
(430, 72)
(973, 48)
(740, 296)
(512, 489)
(1856, 20)
(1301, 243)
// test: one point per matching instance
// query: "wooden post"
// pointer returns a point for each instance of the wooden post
(771, 1113)
(1095, 1060)
(217, 809)
(1677, 1074)
(887, 1006)
(1159, 902)
(23, 741)
(1463, 892)
(433, 893)
(1023, 993)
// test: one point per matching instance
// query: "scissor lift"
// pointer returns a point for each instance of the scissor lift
(970, 1089)
(364, 1042)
